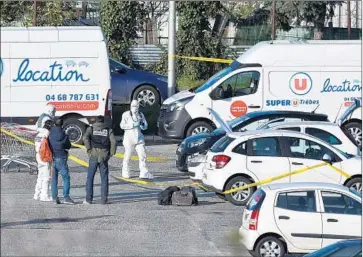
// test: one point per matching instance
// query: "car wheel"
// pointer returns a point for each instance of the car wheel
(270, 247)
(75, 130)
(355, 129)
(147, 96)
(239, 198)
(221, 196)
(356, 184)
(199, 127)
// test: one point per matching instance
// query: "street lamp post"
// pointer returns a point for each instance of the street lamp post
(171, 48)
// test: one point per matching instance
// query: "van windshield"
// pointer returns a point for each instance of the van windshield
(234, 66)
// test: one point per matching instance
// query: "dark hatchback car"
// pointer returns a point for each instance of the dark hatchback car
(128, 84)
(347, 248)
(201, 143)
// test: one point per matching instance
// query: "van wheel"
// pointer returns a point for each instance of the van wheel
(270, 246)
(75, 130)
(147, 96)
(355, 129)
(239, 198)
(356, 184)
(199, 127)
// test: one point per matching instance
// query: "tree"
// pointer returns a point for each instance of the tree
(51, 13)
(196, 38)
(120, 22)
(13, 12)
(315, 12)
(155, 11)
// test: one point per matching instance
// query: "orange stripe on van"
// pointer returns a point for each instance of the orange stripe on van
(76, 106)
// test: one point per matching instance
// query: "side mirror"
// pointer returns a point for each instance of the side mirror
(219, 93)
(327, 158)
(120, 70)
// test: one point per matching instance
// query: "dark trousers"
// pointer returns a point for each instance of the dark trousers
(92, 169)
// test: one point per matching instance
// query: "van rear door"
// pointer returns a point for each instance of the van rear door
(239, 93)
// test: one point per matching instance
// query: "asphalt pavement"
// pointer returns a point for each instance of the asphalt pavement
(133, 224)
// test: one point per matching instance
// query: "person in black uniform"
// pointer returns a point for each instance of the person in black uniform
(100, 143)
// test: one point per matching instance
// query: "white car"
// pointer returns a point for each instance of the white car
(243, 158)
(330, 132)
(299, 218)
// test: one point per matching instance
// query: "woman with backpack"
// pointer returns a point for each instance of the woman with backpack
(44, 160)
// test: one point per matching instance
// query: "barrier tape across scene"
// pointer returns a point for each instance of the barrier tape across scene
(157, 184)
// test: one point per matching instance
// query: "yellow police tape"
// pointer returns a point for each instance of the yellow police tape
(203, 59)
(284, 175)
(71, 157)
(144, 182)
(134, 158)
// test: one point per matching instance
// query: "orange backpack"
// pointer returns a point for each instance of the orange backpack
(45, 152)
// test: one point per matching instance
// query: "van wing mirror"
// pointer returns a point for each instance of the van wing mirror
(327, 158)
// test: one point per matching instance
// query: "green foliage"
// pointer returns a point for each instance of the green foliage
(50, 13)
(185, 82)
(120, 21)
(315, 12)
(196, 38)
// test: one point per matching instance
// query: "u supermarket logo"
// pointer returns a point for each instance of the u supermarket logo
(301, 83)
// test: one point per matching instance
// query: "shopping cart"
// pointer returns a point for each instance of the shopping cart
(17, 149)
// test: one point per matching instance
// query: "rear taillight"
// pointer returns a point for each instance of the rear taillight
(108, 106)
(253, 220)
(221, 161)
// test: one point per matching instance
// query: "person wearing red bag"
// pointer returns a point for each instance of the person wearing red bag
(44, 168)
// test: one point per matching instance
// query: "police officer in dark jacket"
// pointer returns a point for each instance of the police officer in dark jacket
(100, 143)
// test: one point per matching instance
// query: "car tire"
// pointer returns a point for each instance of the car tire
(75, 130)
(221, 196)
(355, 129)
(202, 126)
(355, 183)
(152, 97)
(237, 182)
(272, 241)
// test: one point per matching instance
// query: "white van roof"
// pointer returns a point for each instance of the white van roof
(51, 34)
(310, 53)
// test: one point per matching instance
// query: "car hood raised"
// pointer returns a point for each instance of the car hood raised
(178, 96)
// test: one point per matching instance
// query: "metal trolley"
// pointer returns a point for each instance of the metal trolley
(17, 149)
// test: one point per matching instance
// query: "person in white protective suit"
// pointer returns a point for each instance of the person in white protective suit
(44, 168)
(133, 122)
(47, 115)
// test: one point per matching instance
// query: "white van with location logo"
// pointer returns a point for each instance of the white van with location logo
(321, 76)
(67, 67)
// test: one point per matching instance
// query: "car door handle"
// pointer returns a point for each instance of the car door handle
(332, 220)
(297, 163)
(254, 106)
(284, 217)
(256, 161)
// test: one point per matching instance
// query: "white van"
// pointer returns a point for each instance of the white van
(321, 76)
(64, 66)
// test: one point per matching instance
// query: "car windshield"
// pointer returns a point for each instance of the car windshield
(234, 66)
(114, 64)
(221, 144)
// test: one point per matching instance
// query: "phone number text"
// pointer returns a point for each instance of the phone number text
(72, 97)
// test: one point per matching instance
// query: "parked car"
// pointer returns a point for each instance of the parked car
(346, 248)
(191, 147)
(300, 218)
(239, 159)
(330, 132)
(128, 84)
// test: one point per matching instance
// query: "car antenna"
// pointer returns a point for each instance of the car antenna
(336, 117)
(315, 108)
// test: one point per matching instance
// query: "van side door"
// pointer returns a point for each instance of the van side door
(238, 94)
